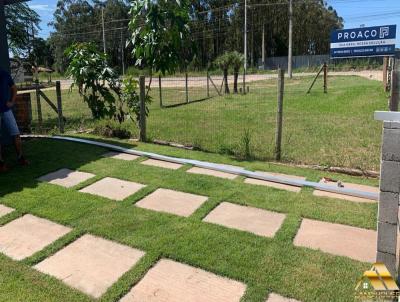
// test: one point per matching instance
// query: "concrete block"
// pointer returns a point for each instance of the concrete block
(5, 210)
(389, 260)
(342, 240)
(277, 298)
(391, 143)
(257, 221)
(387, 238)
(170, 281)
(391, 125)
(91, 264)
(390, 176)
(388, 207)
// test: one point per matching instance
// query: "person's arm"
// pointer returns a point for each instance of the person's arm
(14, 91)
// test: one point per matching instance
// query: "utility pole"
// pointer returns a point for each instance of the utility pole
(122, 54)
(245, 47)
(290, 55)
(263, 46)
(104, 34)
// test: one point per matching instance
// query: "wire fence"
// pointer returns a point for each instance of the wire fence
(329, 129)
(334, 128)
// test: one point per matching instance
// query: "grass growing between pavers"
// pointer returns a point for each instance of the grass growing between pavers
(264, 264)
(334, 129)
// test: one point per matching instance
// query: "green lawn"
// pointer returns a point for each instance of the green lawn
(334, 129)
(263, 264)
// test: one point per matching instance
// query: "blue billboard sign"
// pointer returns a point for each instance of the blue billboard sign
(363, 42)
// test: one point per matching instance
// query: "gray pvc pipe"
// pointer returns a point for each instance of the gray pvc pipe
(221, 168)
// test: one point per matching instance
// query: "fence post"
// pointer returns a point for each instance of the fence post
(59, 107)
(279, 118)
(325, 78)
(385, 72)
(395, 86)
(39, 106)
(186, 87)
(142, 118)
(160, 88)
(208, 83)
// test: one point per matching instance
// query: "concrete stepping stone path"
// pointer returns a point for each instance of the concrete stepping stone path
(275, 185)
(277, 298)
(121, 156)
(5, 210)
(355, 243)
(113, 188)
(170, 281)
(23, 237)
(202, 171)
(347, 197)
(172, 202)
(66, 178)
(249, 219)
(162, 164)
(91, 264)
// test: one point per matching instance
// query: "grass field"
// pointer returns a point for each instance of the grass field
(334, 129)
(264, 264)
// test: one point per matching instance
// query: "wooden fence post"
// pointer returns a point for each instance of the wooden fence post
(325, 78)
(160, 88)
(395, 86)
(208, 83)
(186, 87)
(59, 107)
(39, 106)
(142, 118)
(385, 72)
(279, 117)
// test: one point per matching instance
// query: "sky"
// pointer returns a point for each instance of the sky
(354, 12)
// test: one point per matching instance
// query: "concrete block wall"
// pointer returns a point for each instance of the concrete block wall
(389, 197)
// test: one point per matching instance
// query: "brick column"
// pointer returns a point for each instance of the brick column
(389, 196)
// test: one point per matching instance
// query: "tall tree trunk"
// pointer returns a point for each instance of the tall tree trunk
(226, 81)
(235, 80)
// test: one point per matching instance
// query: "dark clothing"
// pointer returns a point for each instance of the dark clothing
(6, 82)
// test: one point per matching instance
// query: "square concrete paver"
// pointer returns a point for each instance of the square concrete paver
(254, 220)
(347, 197)
(162, 164)
(113, 188)
(170, 281)
(5, 210)
(122, 156)
(202, 171)
(91, 264)
(27, 235)
(173, 202)
(275, 185)
(66, 178)
(355, 243)
(276, 298)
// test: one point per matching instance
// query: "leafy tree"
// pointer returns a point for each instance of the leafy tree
(21, 23)
(160, 34)
(224, 62)
(237, 61)
(41, 53)
(70, 18)
(98, 84)
(131, 98)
